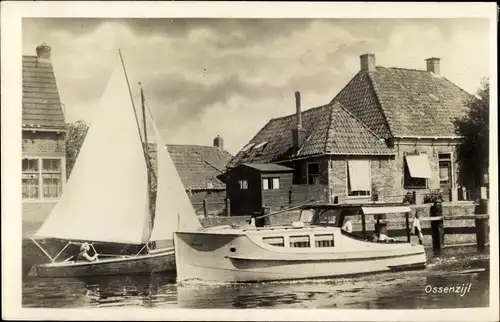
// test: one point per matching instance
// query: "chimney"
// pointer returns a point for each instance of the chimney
(219, 142)
(43, 52)
(298, 132)
(367, 62)
(433, 65)
(298, 110)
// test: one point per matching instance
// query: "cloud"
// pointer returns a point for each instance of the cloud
(205, 77)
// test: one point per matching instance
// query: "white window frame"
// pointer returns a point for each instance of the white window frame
(40, 173)
(276, 183)
(243, 184)
(315, 175)
(265, 184)
(347, 182)
(271, 183)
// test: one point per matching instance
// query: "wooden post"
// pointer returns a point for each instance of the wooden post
(205, 207)
(363, 224)
(407, 221)
(380, 227)
(414, 196)
(228, 207)
(437, 227)
(481, 224)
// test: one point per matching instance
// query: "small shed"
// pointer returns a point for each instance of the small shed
(250, 186)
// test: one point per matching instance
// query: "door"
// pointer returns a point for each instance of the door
(445, 175)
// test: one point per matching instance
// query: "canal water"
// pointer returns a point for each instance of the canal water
(460, 267)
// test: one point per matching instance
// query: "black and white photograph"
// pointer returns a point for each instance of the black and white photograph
(176, 161)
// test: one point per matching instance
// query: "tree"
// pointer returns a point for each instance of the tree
(473, 151)
(74, 140)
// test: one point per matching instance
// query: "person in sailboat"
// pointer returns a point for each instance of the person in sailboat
(84, 254)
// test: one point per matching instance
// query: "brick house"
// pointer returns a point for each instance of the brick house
(389, 131)
(43, 138)
(322, 144)
(412, 110)
(198, 167)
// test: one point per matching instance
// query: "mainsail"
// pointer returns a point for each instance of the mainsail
(106, 197)
(174, 210)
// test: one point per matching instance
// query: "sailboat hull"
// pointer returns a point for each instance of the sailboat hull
(241, 257)
(163, 261)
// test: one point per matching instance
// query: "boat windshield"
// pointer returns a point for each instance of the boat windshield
(329, 217)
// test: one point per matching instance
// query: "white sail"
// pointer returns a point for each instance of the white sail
(106, 197)
(174, 210)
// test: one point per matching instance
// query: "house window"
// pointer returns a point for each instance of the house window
(358, 178)
(300, 241)
(243, 184)
(313, 173)
(41, 178)
(270, 183)
(417, 170)
(324, 240)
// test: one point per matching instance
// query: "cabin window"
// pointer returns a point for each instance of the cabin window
(270, 183)
(358, 178)
(274, 241)
(313, 173)
(324, 240)
(300, 241)
(417, 170)
(41, 178)
(243, 184)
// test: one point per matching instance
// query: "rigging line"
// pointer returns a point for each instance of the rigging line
(133, 106)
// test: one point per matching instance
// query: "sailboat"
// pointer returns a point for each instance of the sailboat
(108, 198)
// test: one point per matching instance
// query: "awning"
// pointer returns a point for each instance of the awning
(385, 210)
(419, 166)
(359, 175)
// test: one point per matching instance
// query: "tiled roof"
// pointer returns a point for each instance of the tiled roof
(328, 129)
(404, 102)
(268, 167)
(41, 104)
(199, 166)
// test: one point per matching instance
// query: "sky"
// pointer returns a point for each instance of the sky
(228, 77)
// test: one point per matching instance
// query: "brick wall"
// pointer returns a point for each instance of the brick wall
(433, 154)
(215, 200)
(35, 143)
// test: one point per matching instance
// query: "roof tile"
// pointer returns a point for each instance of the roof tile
(41, 102)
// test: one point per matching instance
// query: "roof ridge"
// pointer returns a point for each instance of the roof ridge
(329, 130)
(404, 68)
(359, 121)
(306, 111)
(377, 97)
(461, 89)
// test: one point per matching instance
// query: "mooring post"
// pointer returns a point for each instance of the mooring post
(407, 222)
(363, 224)
(481, 224)
(228, 207)
(437, 226)
(205, 207)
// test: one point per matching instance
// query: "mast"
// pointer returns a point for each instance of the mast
(152, 192)
(133, 105)
(145, 148)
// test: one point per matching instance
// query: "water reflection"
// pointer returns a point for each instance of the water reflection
(403, 290)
